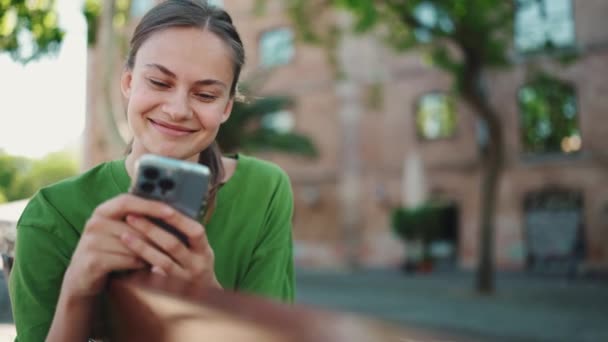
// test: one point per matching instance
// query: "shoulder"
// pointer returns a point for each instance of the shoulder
(262, 169)
(263, 177)
(68, 201)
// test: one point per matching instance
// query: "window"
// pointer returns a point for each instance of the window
(543, 24)
(140, 7)
(216, 3)
(549, 117)
(281, 122)
(435, 117)
(276, 47)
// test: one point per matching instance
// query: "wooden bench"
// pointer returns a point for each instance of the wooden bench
(146, 307)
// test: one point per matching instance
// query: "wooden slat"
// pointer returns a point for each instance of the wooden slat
(147, 307)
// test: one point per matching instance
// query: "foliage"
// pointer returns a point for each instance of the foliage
(34, 25)
(244, 130)
(21, 177)
(475, 28)
(29, 29)
(423, 223)
(91, 10)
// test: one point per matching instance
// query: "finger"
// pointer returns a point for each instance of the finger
(194, 231)
(164, 240)
(118, 207)
(106, 244)
(153, 256)
(116, 262)
(100, 225)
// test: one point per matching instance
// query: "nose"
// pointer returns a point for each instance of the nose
(177, 107)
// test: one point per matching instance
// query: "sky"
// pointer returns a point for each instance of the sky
(42, 104)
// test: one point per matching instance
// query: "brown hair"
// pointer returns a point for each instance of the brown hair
(199, 14)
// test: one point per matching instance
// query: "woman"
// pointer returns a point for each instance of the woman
(180, 84)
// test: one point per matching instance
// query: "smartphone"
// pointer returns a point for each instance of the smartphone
(181, 184)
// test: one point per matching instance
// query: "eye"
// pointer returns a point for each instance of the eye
(158, 83)
(206, 97)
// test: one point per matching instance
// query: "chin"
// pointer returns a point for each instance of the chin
(172, 153)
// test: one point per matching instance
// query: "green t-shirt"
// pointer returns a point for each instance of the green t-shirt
(250, 233)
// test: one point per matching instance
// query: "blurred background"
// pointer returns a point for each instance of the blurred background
(448, 158)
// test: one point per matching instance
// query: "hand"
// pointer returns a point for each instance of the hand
(100, 250)
(171, 257)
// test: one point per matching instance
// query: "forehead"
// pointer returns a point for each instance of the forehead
(190, 53)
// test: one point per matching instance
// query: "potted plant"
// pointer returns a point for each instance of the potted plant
(418, 227)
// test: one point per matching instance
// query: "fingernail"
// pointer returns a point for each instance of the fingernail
(159, 271)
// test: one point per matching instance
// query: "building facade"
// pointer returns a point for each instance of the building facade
(553, 198)
(391, 134)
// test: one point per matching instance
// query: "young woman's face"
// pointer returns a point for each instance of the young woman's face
(178, 92)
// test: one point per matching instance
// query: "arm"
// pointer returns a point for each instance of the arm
(54, 286)
(73, 320)
(271, 270)
(41, 258)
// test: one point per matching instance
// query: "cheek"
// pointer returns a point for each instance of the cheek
(211, 117)
(140, 101)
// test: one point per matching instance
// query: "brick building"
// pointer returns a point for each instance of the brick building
(391, 134)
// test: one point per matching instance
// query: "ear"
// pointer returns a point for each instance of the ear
(227, 110)
(125, 82)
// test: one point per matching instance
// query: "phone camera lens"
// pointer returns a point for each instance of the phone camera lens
(166, 184)
(151, 173)
(147, 187)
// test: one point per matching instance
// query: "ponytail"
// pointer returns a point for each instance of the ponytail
(212, 158)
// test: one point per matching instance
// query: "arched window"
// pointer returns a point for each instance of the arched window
(554, 231)
(435, 116)
(549, 121)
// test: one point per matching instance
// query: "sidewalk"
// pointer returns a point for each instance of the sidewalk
(524, 308)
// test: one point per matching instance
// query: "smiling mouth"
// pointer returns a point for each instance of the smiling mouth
(170, 130)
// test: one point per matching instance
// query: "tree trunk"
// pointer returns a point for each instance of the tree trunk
(492, 162)
(103, 141)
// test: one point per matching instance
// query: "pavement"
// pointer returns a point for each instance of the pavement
(524, 308)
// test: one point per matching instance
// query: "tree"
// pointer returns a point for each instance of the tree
(245, 130)
(463, 37)
(29, 29)
(107, 39)
(21, 177)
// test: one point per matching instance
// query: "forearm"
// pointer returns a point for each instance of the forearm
(73, 320)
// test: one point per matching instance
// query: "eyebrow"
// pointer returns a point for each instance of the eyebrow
(171, 74)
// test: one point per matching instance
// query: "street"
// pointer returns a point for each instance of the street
(524, 308)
